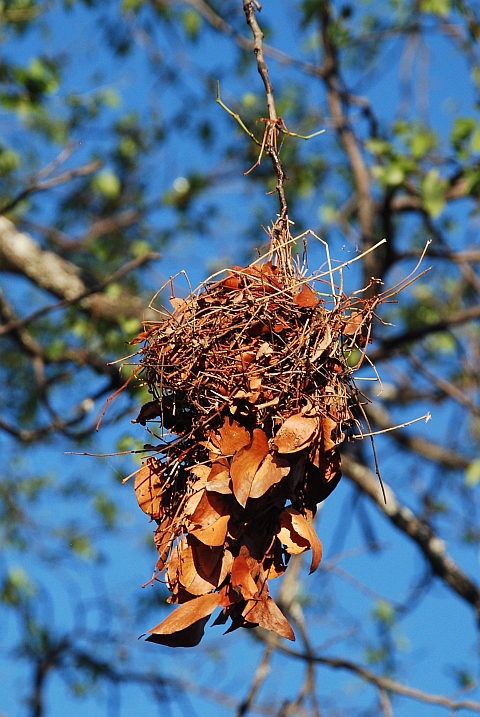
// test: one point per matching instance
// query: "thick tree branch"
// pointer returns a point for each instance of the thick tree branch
(20, 254)
(420, 532)
(333, 82)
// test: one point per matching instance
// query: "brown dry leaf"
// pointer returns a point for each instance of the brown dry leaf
(241, 578)
(178, 304)
(219, 477)
(298, 535)
(296, 433)
(268, 615)
(271, 471)
(306, 298)
(197, 610)
(196, 490)
(210, 508)
(231, 437)
(189, 637)
(354, 323)
(148, 488)
(149, 411)
(207, 559)
(245, 464)
(215, 533)
(182, 569)
(330, 433)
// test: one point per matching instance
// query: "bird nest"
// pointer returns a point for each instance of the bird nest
(251, 383)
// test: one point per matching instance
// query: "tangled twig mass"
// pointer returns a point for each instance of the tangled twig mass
(251, 385)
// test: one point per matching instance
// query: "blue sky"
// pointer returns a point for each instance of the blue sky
(440, 630)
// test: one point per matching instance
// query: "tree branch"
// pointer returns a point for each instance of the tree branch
(20, 254)
(420, 532)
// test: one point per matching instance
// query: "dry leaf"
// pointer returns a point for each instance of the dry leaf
(295, 433)
(245, 464)
(219, 477)
(195, 611)
(231, 437)
(268, 615)
(271, 471)
(148, 488)
(306, 298)
(215, 533)
(298, 535)
(241, 578)
(188, 637)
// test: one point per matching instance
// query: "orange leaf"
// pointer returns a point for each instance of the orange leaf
(183, 617)
(148, 488)
(219, 477)
(231, 437)
(268, 615)
(306, 298)
(354, 323)
(189, 637)
(245, 464)
(271, 471)
(298, 535)
(210, 508)
(242, 579)
(296, 433)
(215, 533)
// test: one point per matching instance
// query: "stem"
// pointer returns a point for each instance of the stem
(272, 129)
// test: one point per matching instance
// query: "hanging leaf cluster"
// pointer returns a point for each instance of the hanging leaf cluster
(251, 384)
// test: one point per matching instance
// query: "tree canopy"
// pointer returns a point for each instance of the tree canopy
(119, 169)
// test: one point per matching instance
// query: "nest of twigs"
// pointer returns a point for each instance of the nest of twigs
(251, 383)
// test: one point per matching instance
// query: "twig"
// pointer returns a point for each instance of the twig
(271, 129)
(36, 186)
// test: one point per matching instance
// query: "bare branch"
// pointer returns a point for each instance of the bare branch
(417, 530)
(383, 683)
(389, 346)
(39, 186)
(21, 254)
(271, 132)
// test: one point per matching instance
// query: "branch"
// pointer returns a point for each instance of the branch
(429, 543)
(20, 254)
(388, 346)
(271, 131)
(333, 81)
(383, 683)
(38, 186)
(423, 447)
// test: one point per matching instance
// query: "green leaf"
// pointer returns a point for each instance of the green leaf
(107, 183)
(391, 175)
(192, 23)
(437, 7)
(384, 613)
(472, 474)
(378, 146)
(433, 189)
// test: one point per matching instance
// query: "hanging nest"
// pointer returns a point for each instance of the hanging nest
(251, 383)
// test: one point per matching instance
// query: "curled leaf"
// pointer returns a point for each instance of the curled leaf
(296, 433)
(194, 612)
(245, 464)
(268, 615)
(148, 488)
(298, 535)
(271, 471)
